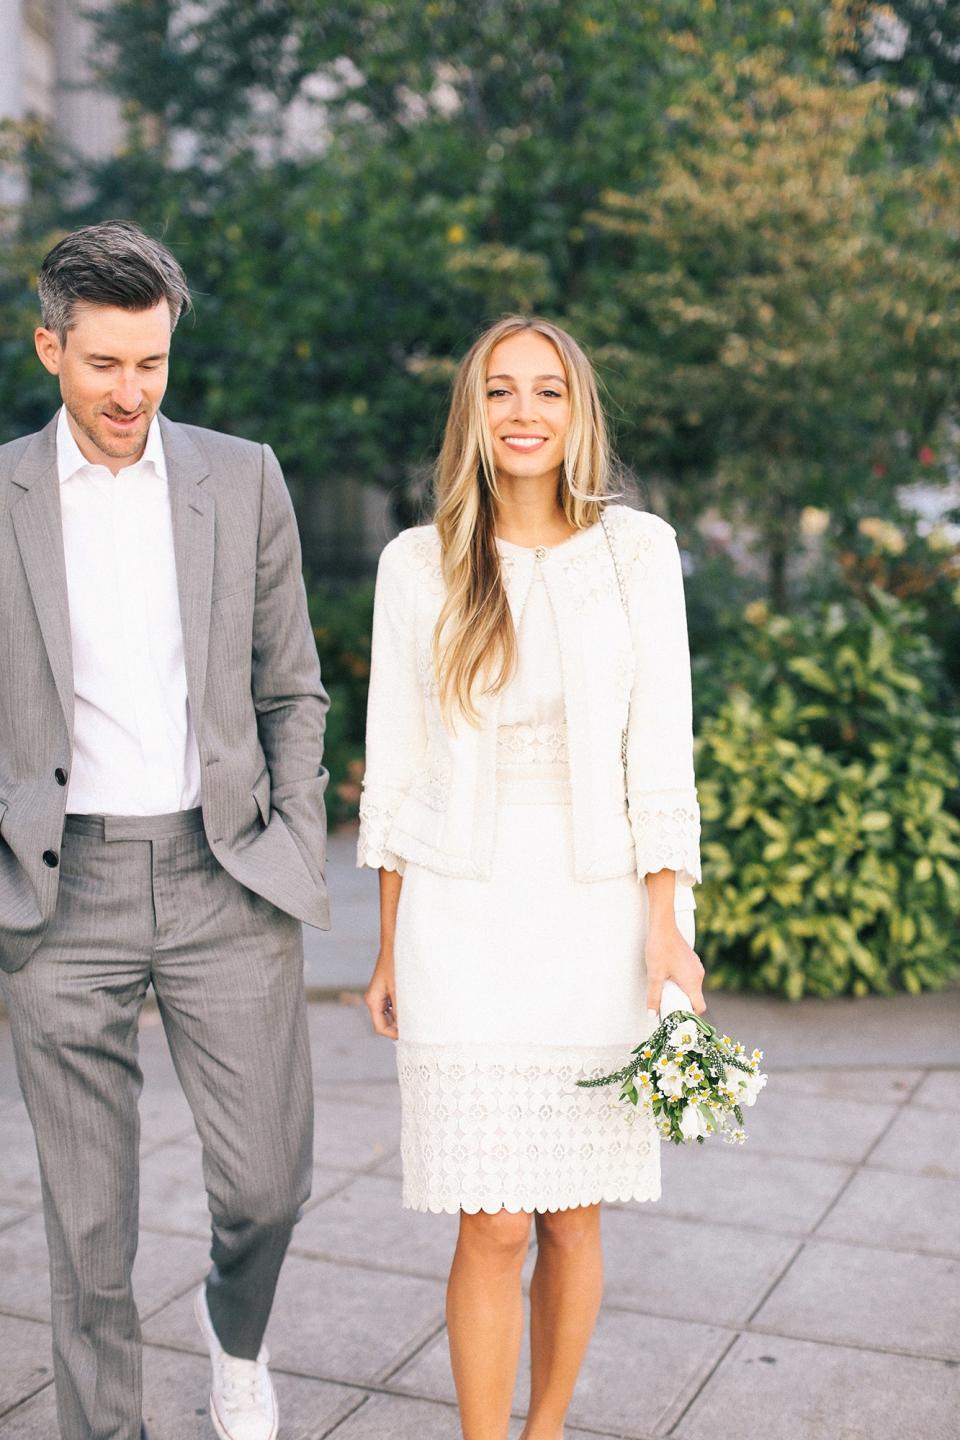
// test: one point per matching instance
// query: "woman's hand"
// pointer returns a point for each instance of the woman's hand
(670, 957)
(381, 996)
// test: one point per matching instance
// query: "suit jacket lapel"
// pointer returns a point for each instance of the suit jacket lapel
(35, 513)
(192, 509)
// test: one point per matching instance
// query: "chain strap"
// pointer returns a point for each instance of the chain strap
(626, 610)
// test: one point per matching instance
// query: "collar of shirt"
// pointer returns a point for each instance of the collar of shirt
(71, 459)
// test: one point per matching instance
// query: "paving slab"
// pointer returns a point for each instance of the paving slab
(639, 1374)
(862, 1295)
(164, 1268)
(904, 1212)
(940, 1090)
(814, 1127)
(872, 1084)
(12, 1215)
(343, 957)
(353, 1137)
(916, 1031)
(688, 1270)
(20, 1170)
(27, 1360)
(344, 1046)
(388, 1417)
(921, 1141)
(176, 1389)
(731, 1183)
(364, 1224)
(330, 1321)
(781, 1389)
(381, 1094)
(35, 1419)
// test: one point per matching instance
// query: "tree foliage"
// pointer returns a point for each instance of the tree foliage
(708, 193)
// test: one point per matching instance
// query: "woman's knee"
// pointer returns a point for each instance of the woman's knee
(568, 1230)
(502, 1237)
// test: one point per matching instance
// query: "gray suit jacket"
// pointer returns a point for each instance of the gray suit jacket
(253, 678)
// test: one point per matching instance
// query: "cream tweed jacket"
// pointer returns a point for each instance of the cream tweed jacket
(429, 794)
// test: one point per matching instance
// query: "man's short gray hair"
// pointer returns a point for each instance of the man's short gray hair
(113, 263)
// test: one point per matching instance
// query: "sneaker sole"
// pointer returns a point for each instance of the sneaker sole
(225, 1434)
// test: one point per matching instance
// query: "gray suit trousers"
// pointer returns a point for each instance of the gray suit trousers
(142, 900)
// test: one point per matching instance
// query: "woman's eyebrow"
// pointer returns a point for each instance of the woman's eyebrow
(538, 377)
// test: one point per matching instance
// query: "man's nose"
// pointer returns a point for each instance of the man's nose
(128, 395)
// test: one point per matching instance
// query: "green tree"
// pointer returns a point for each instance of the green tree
(784, 320)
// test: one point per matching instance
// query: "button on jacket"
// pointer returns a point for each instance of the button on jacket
(253, 679)
(429, 794)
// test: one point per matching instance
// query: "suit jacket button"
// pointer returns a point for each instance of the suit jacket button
(60, 775)
(51, 858)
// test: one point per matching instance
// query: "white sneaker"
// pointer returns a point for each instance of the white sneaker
(243, 1405)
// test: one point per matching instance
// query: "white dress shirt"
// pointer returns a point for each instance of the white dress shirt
(134, 749)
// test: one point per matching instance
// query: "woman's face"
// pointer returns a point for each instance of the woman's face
(528, 406)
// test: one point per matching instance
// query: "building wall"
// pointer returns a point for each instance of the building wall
(45, 69)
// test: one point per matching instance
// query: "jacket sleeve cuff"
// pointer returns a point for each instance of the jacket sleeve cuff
(666, 833)
(376, 820)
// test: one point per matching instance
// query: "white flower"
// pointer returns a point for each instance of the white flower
(752, 1086)
(746, 1084)
(693, 1074)
(671, 1085)
(685, 1035)
(692, 1123)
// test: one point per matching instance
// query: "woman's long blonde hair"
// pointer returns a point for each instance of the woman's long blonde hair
(474, 641)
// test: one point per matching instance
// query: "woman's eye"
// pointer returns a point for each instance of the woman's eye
(495, 394)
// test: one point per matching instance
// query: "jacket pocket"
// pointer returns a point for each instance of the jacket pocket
(261, 793)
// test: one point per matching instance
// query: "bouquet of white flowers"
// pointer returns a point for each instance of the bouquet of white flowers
(693, 1079)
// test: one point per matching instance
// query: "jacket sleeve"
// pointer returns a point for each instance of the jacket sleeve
(664, 812)
(288, 696)
(396, 728)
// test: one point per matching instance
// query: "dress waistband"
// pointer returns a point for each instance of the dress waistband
(536, 784)
(136, 827)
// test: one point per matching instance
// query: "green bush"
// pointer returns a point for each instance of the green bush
(342, 623)
(828, 774)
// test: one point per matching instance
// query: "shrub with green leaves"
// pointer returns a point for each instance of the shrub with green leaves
(342, 622)
(829, 778)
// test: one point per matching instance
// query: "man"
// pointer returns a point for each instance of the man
(161, 822)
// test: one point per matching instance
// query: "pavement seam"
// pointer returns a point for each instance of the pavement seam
(25, 1400)
(698, 1389)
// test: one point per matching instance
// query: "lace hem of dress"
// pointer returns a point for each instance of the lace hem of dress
(506, 1128)
(667, 838)
(372, 848)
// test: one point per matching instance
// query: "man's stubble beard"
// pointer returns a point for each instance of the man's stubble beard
(110, 445)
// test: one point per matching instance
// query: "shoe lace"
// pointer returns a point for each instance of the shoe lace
(243, 1381)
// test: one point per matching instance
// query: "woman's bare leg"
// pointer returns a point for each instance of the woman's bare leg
(485, 1319)
(564, 1300)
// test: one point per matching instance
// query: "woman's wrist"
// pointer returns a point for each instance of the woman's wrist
(662, 920)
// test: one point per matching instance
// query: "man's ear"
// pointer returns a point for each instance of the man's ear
(49, 349)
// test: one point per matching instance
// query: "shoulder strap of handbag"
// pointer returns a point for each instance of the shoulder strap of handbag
(626, 610)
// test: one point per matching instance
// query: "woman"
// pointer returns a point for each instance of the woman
(528, 916)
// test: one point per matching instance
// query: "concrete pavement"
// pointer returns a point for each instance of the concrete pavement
(802, 1287)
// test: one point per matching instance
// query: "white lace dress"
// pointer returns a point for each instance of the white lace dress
(511, 989)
